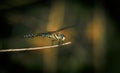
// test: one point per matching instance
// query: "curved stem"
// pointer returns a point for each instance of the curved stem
(35, 48)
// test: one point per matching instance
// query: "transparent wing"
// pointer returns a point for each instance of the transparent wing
(64, 28)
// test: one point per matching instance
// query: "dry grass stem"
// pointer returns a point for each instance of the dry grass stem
(35, 48)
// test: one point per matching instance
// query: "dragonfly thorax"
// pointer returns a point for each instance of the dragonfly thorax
(57, 36)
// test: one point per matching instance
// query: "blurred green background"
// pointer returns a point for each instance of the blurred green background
(94, 36)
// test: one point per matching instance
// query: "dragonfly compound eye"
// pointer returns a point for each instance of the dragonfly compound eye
(62, 37)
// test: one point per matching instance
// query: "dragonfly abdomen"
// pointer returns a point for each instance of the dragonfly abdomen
(30, 35)
(45, 34)
(36, 35)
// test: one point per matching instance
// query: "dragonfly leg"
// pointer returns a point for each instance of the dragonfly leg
(60, 42)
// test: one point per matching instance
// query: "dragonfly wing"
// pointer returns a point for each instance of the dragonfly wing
(67, 27)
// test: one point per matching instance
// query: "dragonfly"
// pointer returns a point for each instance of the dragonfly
(54, 35)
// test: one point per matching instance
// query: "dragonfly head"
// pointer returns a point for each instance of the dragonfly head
(62, 37)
